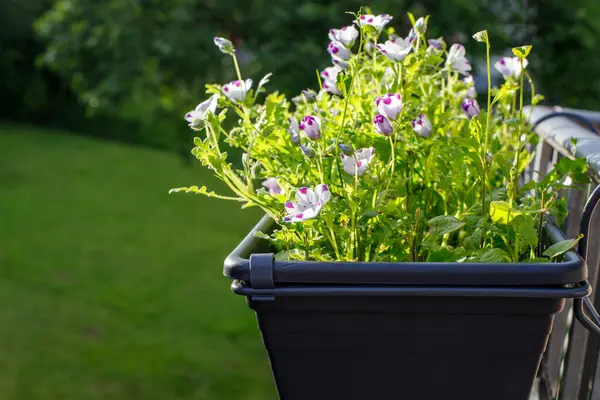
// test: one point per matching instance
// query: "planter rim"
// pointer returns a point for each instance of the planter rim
(571, 271)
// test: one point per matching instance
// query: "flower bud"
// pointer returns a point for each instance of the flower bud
(421, 25)
(308, 151)
(436, 44)
(311, 126)
(224, 45)
(294, 131)
(309, 95)
(273, 186)
(383, 125)
(470, 108)
(422, 126)
(346, 149)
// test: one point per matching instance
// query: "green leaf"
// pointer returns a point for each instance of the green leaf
(561, 247)
(500, 211)
(522, 51)
(494, 255)
(262, 235)
(369, 30)
(343, 82)
(524, 226)
(411, 17)
(473, 241)
(505, 90)
(536, 99)
(263, 82)
(513, 122)
(444, 224)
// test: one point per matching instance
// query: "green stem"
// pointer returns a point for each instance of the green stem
(237, 67)
(306, 244)
(392, 161)
(540, 228)
(518, 149)
(487, 132)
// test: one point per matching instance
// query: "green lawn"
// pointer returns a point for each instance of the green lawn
(110, 288)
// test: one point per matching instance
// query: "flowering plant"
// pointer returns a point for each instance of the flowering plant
(392, 159)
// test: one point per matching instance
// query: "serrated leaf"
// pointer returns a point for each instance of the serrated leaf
(262, 235)
(522, 51)
(494, 256)
(473, 241)
(524, 226)
(444, 224)
(561, 247)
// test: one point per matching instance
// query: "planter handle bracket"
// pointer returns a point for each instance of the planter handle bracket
(261, 275)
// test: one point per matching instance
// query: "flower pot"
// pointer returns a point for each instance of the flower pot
(434, 331)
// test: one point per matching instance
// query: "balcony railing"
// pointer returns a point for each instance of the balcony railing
(570, 367)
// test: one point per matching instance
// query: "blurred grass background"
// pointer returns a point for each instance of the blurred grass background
(109, 287)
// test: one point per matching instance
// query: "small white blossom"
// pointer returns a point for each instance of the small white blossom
(236, 91)
(422, 126)
(510, 67)
(358, 163)
(347, 35)
(456, 59)
(273, 186)
(199, 114)
(308, 203)
(378, 21)
(395, 50)
(390, 105)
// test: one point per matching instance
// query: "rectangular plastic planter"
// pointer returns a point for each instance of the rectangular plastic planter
(410, 331)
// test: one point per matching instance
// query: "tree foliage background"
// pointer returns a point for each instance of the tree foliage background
(129, 69)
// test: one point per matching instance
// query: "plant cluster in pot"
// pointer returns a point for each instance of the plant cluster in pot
(400, 255)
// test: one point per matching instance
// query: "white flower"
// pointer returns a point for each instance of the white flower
(294, 130)
(510, 67)
(343, 64)
(347, 35)
(422, 126)
(378, 21)
(308, 203)
(358, 163)
(196, 116)
(471, 91)
(329, 79)
(237, 90)
(457, 60)
(395, 50)
(338, 50)
(273, 186)
(389, 105)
